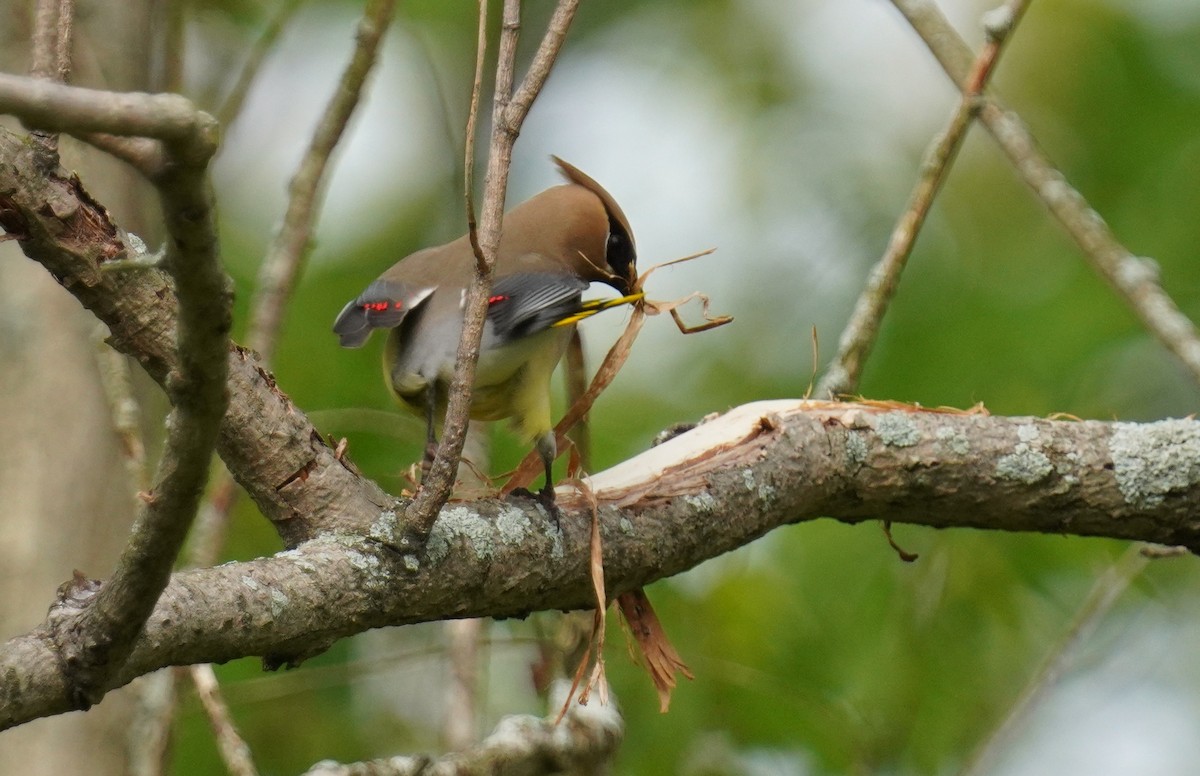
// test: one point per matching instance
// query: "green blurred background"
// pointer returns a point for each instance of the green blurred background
(787, 135)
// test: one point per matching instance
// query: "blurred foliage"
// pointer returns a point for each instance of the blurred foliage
(816, 650)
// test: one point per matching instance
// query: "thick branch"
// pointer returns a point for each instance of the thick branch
(96, 643)
(707, 492)
(851, 463)
(59, 108)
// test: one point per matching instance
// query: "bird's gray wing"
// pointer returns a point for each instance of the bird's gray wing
(382, 306)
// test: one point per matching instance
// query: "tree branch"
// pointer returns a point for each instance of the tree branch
(543, 62)
(1134, 279)
(77, 111)
(52, 38)
(704, 493)
(805, 460)
(858, 338)
(1106, 591)
(96, 640)
(272, 449)
(235, 753)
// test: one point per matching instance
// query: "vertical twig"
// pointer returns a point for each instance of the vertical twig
(277, 279)
(284, 260)
(51, 60)
(63, 40)
(858, 338)
(460, 720)
(543, 63)
(171, 46)
(117, 380)
(577, 385)
(507, 116)
(469, 140)
(234, 751)
(149, 733)
(459, 725)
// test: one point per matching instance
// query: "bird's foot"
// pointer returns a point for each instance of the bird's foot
(545, 497)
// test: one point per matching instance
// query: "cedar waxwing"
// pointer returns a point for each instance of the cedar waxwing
(551, 248)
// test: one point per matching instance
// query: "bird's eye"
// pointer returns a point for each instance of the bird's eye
(620, 256)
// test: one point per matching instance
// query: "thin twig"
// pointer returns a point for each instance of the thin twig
(45, 35)
(117, 380)
(469, 140)
(582, 400)
(543, 62)
(171, 46)
(149, 734)
(460, 717)
(234, 751)
(506, 125)
(51, 60)
(613, 361)
(861, 331)
(231, 106)
(141, 153)
(273, 687)
(577, 384)
(208, 540)
(1105, 592)
(285, 257)
(1134, 279)
(276, 282)
(63, 40)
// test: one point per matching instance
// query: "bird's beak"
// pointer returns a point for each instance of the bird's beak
(626, 285)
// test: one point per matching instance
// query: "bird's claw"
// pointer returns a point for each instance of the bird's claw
(545, 497)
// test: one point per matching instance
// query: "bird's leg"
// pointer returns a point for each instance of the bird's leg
(547, 450)
(431, 443)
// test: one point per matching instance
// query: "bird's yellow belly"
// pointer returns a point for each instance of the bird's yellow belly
(512, 381)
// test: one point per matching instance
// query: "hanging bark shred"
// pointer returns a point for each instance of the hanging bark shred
(661, 660)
